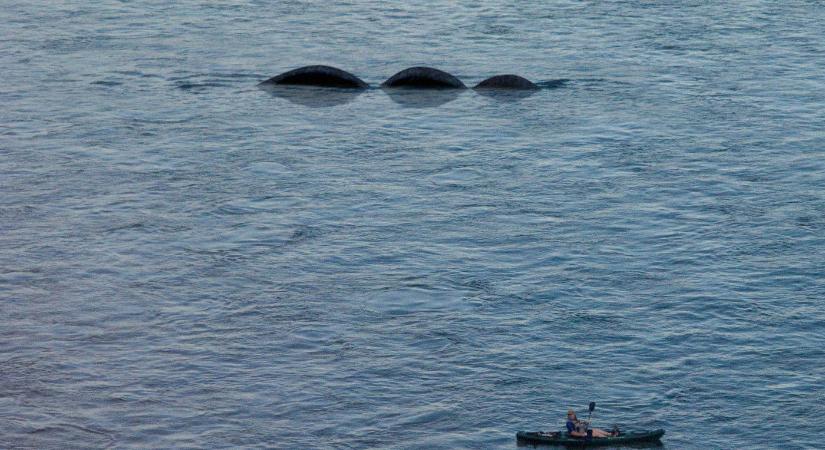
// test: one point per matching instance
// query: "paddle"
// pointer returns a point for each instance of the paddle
(591, 408)
(589, 415)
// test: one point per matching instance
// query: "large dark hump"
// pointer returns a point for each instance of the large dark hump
(323, 76)
(506, 82)
(423, 78)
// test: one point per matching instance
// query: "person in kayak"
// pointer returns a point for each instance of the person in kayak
(578, 428)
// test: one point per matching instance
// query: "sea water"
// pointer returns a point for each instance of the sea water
(189, 261)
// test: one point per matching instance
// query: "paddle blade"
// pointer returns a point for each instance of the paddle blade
(592, 406)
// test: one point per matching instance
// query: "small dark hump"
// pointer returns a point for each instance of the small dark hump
(506, 82)
(423, 78)
(323, 76)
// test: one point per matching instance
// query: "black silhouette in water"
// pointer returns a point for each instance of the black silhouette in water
(423, 78)
(507, 88)
(321, 76)
(507, 82)
(298, 86)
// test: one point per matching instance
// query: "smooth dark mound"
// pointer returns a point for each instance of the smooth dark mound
(323, 76)
(506, 82)
(423, 78)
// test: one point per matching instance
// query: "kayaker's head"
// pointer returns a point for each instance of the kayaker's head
(571, 415)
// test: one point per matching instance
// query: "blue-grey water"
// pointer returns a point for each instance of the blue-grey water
(189, 261)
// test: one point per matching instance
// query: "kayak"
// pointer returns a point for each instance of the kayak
(563, 438)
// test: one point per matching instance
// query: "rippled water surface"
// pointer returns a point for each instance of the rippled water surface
(187, 260)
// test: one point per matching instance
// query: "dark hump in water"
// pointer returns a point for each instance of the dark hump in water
(423, 78)
(323, 76)
(506, 82)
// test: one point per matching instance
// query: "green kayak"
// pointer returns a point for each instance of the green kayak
(562, 438)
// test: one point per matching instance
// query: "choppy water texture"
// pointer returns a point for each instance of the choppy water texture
(187, 260)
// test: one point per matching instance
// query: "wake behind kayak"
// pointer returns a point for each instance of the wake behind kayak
(563, 438)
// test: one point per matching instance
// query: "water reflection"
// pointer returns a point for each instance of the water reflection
(422, 98)
(506, 95)
(313, 96)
